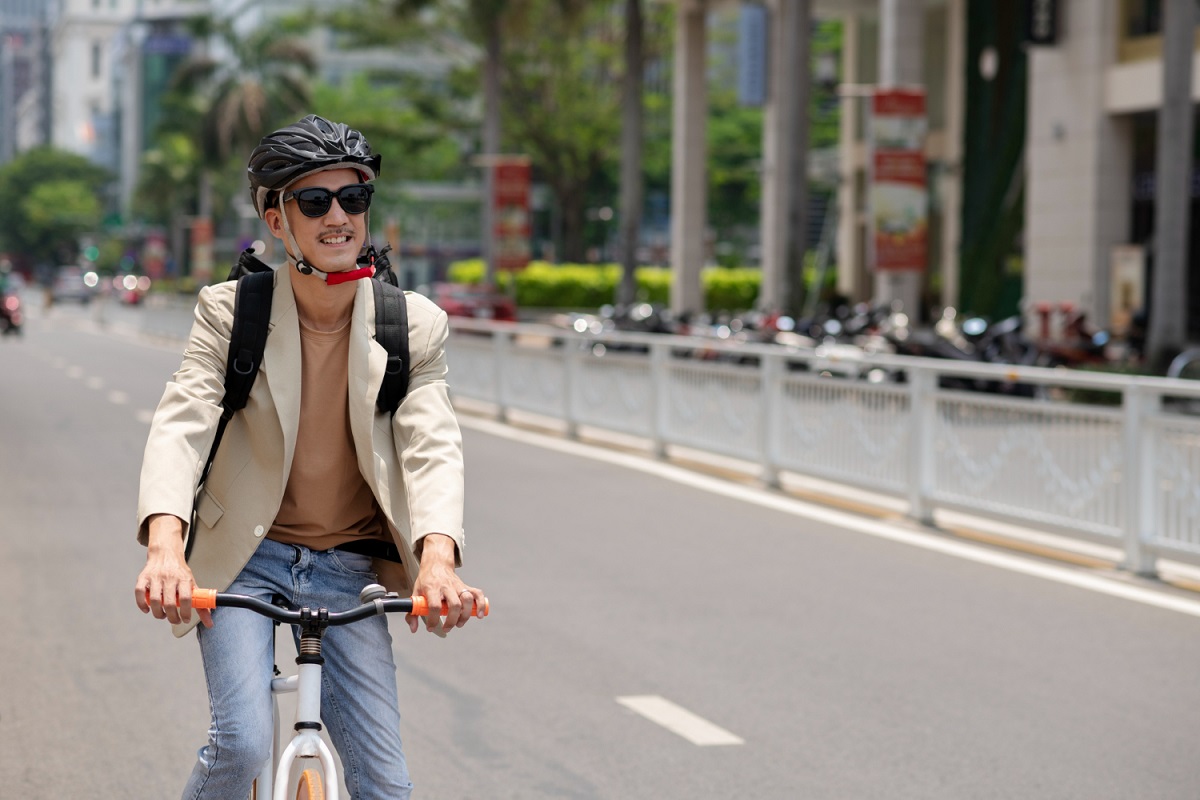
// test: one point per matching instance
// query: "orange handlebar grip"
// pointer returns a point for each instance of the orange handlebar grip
(421, 607)
(204, 598)
(201, 598)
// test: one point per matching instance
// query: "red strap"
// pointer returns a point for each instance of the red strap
(343, 277)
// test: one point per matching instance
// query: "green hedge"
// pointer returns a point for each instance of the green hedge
(544, 285)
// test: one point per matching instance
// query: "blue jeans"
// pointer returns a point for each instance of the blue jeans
(359, 706)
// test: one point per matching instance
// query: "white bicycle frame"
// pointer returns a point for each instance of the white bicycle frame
(306, 742)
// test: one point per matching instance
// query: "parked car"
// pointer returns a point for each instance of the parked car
(74, 285)
(473, 300)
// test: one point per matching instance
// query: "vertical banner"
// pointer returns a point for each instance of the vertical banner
(897, 197)
(202, 251)
(510, 212)
(154, 255)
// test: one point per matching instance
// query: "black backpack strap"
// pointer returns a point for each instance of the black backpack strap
(247, 342)
(251, 321)
(391, 331)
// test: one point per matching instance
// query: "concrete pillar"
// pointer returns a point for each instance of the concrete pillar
(689, 154)
(950, 182)
(1173, 186)
(1077, 164)
(901, 37)
(850, 257)
(785, 156)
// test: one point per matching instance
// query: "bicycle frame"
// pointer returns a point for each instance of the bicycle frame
(306, 742)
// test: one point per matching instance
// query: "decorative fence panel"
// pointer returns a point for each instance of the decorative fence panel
(1108, 458)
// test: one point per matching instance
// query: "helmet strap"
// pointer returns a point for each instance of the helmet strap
(304, 268)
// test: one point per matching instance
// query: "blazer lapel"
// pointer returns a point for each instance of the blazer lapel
(368, 360)
(281, 366)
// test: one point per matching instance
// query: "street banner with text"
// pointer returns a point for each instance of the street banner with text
(898, 198)
(510, 213)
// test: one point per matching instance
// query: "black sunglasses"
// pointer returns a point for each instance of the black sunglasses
(315, 201)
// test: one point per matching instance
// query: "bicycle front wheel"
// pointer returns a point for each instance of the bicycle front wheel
(310, 787)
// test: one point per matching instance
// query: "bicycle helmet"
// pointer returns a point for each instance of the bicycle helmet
(311, 145)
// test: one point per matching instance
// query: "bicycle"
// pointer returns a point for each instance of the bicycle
(272, 782)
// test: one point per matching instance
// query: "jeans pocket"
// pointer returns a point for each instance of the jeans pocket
(353, 563)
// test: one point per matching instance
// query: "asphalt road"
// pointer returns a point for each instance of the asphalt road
(847, 666)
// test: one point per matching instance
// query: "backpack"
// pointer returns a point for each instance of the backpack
(248, 341)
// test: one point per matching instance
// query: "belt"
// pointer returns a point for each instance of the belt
(375, 548)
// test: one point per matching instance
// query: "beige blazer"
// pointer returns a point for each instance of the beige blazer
(412, 461)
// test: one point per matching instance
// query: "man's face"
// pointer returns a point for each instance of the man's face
(330, 242)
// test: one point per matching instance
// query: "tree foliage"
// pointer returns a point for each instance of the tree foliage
(419, 130)
(52, 197)
(167, 179)
(241, 88)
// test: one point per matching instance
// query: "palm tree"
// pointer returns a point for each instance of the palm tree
(236, 89)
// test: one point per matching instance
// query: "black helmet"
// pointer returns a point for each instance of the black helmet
(311, 145)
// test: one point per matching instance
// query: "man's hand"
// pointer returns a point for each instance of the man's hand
(164, 587)
(438, 583)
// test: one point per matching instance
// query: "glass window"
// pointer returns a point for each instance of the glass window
(97, 54)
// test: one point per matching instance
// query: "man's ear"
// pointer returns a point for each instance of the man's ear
(274, 222)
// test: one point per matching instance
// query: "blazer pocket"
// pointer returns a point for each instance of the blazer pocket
(209, 510)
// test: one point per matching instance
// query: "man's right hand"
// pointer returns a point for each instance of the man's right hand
(164, 587)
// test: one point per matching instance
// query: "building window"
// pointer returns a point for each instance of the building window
(1140, 31)
(97, 54)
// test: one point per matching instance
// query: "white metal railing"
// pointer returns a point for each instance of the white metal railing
(1125, 471)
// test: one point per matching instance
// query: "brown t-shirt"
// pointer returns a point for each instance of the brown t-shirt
(326, 502)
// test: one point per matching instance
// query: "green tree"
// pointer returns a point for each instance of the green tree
(52, 198)
(561, 89)
(417, 129)
(167, 179)
(228, 97)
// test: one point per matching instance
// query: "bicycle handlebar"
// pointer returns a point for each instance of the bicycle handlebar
(416, 605)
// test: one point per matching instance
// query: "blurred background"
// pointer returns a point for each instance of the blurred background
(947, 159)
(882, 576)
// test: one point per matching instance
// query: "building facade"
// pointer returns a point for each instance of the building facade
(24, 74)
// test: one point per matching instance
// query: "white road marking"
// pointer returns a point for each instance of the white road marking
(74, 372)
(884, 530)
(679, 720)
(94, 383)
(144, 416)
(118, 398)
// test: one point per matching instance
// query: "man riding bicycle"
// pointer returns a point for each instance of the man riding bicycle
(313, 493)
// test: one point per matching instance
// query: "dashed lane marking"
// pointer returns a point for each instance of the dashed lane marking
(94, 383)
(679, 720)
(118, 398)
(144, 416)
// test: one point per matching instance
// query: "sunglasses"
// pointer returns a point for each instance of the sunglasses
(315, 201)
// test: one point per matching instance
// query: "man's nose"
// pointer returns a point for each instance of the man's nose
(336, 213)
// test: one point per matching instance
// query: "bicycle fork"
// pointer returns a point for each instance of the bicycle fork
(306, 742)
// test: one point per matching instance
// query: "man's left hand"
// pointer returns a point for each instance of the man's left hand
(438, 583)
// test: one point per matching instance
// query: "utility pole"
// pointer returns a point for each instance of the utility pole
(901, 37)
(785, 156)
(1173, 187)
(630, 212)
(491, 147)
